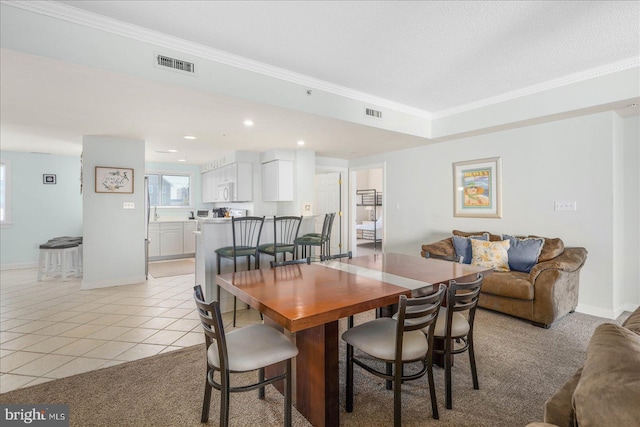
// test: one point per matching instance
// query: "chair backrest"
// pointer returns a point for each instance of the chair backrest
(325, 225)
(463, 297)
(327, 236)
(211, 321)
(418, 313)
(336, 256)
(247, 231)
(285, 230)
(291, 262)
(454, 258)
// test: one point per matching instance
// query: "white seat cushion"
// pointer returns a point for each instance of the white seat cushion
(378, 338)
(459, 327)
(253, 347)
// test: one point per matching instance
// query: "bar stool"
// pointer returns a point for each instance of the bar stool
(58, 256)
(77, 239)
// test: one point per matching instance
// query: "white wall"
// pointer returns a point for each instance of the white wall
(113, 244)
(563, 160)
(39, 211)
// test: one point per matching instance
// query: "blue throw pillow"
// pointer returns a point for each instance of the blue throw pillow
(462, 246)
(523, 253)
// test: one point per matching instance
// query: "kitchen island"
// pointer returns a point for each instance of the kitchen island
(214, 233)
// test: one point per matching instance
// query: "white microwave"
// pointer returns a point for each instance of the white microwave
(225, 192)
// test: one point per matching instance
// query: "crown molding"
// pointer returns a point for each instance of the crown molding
(531, 90)
(102, 23)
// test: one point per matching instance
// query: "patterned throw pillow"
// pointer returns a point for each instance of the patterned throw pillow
(462, 246)
(490, 254)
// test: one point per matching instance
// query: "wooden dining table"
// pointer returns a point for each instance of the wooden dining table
(307, 301)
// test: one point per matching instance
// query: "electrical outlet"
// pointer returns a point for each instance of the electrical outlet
(564, 206)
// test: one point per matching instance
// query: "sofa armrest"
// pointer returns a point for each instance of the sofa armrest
(571, 260)
(442, 247)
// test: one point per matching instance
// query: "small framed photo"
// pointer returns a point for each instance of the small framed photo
(114, 180)
(48, 178)
(477, 188)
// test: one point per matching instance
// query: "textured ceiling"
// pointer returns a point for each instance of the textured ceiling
(430, 55)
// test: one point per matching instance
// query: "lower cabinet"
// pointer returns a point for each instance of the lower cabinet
(172, 239)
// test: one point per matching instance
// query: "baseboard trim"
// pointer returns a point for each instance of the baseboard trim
(607, 314)
(595, 311)
(19, 266)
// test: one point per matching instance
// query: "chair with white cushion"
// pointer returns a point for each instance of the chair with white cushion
(251, 348)
(396, 342)
(455, 326)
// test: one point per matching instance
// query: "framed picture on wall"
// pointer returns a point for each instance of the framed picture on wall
(48, 178)
(477, 188)
(114, 180)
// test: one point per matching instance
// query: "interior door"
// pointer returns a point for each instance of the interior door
(328, 199)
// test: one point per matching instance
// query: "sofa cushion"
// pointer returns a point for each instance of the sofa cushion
(608, 390)
(492, 237)
(462, 246)
(490, 254)
(633, 321)
(523, 253)
(551, 248)
(508, 284)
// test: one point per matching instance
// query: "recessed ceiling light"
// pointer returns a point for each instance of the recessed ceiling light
(182, 160)
(172, 151)
(301, 143)
(189, 137)
(248, 122)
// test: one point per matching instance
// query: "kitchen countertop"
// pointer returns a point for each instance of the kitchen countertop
(163, 220)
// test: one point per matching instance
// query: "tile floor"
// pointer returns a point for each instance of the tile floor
(53, 329)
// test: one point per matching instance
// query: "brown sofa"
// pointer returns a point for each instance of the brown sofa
(605, 391)
(543, 295)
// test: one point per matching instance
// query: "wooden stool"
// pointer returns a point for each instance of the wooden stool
(58, 256)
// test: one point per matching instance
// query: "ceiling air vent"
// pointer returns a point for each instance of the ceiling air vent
(176, 64)
(370, 112)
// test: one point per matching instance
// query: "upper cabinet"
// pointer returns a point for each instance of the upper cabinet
(230, 183)
(277, 181)
(207, 185)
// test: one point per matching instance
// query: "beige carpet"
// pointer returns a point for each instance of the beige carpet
(172, 268)
(519, 367)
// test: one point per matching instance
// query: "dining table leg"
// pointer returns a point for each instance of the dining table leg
(316, 383)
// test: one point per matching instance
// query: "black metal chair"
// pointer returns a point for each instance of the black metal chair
(321, 240)
(397, 342)
(285, 233)
(455, 327)
(246, 238)
(251, 348)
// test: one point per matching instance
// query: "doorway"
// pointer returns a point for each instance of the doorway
(367, 219)
(329, 197)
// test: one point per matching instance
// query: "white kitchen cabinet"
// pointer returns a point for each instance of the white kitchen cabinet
(189, 239)
(277, 181)
(171, 239)
(238, 180)
(154, 240)
(208, 186)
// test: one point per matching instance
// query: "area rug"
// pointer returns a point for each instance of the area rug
(519, 367)
(172, 268)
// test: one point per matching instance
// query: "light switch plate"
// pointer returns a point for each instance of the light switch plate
(564, 206)
(128, 205)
